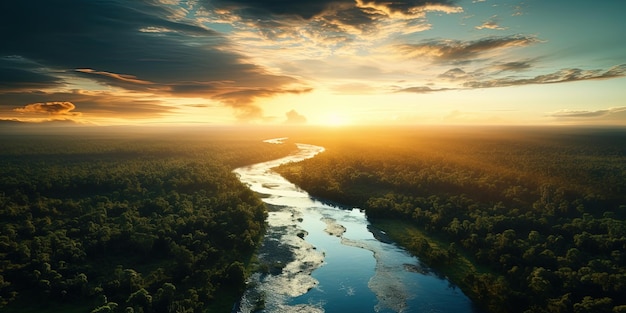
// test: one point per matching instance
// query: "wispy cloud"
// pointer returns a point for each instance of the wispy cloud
(513, 66)
(490, 77)
(18, 73)
(615, 115)
(422, 89)
(457, 50)
(561, 76)
(122, 78)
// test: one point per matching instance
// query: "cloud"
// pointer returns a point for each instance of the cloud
(331, 24)
(130, 79)
(606, 116)
(513, 66)
(454, 74)
(242, 101)
(17, 73)
(139, 46)
(49, 108)
(561, 76)
(27, 125)
(423, 89)
(411, 7)
(309, 9)
(492, 23)
(10, 122)
(294, 117)
(101, 104)
(456, 50)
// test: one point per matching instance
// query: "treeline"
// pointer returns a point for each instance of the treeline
(126, 223)
(544, 210)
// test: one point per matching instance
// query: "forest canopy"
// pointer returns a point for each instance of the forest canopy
(151, 221)
(540, 211)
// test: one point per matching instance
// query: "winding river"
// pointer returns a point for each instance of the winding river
(320, 258)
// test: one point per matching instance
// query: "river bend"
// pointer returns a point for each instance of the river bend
(320, 258)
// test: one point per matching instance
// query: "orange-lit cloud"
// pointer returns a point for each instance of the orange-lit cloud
(92, 104)
(49, 108)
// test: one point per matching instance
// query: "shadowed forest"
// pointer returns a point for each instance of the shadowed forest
(522, 219)
(127, 223)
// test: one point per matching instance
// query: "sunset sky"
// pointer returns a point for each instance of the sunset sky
(313, 62)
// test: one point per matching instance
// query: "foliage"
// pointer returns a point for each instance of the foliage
(543, 209)
(121, 223)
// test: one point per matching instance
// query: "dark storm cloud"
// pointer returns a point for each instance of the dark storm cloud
(135, 45)
(562, 76)
(459, 51)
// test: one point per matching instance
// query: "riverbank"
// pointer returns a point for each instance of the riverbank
(456, 267)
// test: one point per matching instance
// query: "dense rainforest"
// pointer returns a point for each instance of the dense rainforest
(113, 222)
(522, 219)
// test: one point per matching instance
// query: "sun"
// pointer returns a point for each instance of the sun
(336, 120)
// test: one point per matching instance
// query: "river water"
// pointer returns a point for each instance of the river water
(319, 258)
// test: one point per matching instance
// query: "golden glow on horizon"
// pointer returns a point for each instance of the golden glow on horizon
(336, 120)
